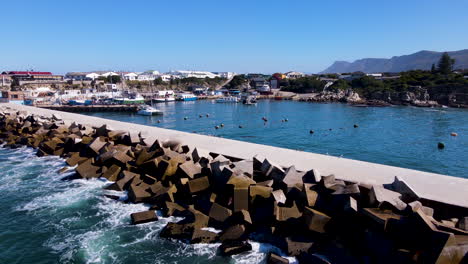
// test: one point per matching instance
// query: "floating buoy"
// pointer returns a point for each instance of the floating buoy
(222, 125)
(240, 126)
(453, 134)
(207, 115)
(185, 118)
(200, 116)
(355, 125)
(159, 121)
(330, 129)
(311, 131)
(216, 127)
(441, 145)
(286, 120)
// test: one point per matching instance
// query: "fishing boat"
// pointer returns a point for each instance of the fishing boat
(148, 111)
(228, 99)
(186, 97)
(130, 98)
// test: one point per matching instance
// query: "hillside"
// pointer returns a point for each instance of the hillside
(421, 60)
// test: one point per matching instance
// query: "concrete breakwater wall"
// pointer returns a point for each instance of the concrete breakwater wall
(308, 215)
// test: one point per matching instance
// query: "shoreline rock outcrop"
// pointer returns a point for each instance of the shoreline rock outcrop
(309, 216)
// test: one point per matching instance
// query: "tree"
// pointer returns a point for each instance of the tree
(445, 65)
(113, 79)
(158, 81)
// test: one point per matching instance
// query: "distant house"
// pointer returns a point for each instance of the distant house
(294, 75)
(131, 76)
(23, 77)
(5, 80)
(194, 74)
(146, 77)
(107, 74)
(92, 76)
(226, 75)
(16, 97)
(76, 76)
(375, 75)
(198, 89)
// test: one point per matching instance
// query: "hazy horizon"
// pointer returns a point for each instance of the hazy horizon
(265, 36)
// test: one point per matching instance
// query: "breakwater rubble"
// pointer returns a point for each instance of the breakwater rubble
(229, 200)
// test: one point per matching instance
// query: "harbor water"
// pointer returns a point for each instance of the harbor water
(398, 136)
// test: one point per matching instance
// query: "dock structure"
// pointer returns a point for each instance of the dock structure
(92, 108)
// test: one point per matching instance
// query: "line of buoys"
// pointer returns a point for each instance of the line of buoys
(453, 134)
(441, 145)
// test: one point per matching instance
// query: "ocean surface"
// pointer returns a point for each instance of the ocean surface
(44, 219)
(400, 136)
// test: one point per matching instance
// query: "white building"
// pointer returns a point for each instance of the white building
(130, 76)
(294, 75)
(92, 75)
(165, 77)
(375, 75)
(226, 75)
(195, 74)
(107, 74)
(146, 77)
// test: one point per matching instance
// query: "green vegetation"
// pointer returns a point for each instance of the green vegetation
(110, 79)
(236, 81)
(306, 84)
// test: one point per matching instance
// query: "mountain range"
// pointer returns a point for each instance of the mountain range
(421, 60)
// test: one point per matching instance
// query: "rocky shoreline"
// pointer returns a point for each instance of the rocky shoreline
(313, 217)
(419, 98)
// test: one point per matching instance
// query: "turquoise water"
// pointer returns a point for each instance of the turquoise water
(44, 219)
(398, 136)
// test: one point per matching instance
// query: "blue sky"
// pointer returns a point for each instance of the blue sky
(240, 36)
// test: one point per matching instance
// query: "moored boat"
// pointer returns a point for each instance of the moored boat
(186, 97)
(148, 111)
(228, 99)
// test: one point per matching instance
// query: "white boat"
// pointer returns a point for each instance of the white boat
(163, 99)
(148, 111)
(228, 99)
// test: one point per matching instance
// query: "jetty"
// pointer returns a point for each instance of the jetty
(317, 208)
(91, 108)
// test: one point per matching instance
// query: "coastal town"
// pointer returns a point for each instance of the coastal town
(40, 88)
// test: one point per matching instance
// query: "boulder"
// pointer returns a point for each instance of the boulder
(87, 170)
(310, 195)
(97, 145)
(112, 173)
(234, 232)
(261, 191)
(293, 177)
(219, 213)
(203, 236)
(272, 258)
(229, 248)
(283, 213)
(279, 196)
(241, 199)
(138, 193)
(189, 170)
(121, 184)
(199, 185)
(295, 247)
(315, 220)
(379, 195)
(144, 217)
(379, 216)
(177, 231)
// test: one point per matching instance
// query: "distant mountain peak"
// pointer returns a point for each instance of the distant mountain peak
(421, 60)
